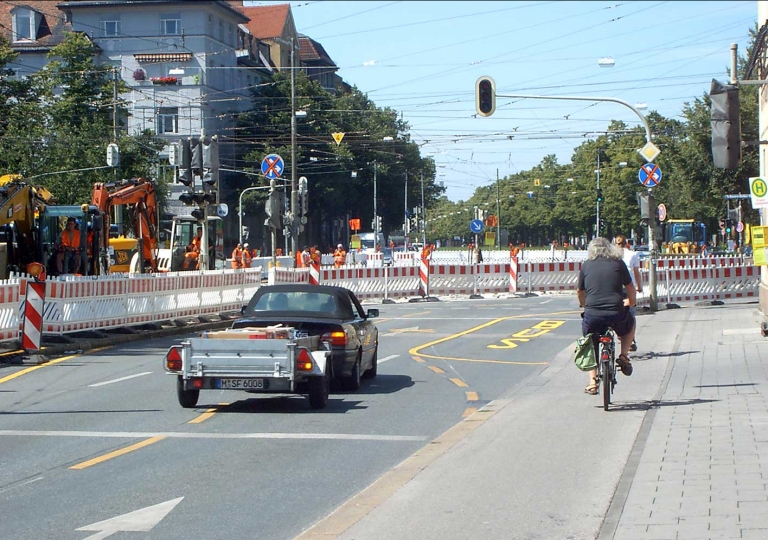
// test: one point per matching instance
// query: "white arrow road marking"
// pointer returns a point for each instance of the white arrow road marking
(141, 520)
(390, 357)
(120, 379)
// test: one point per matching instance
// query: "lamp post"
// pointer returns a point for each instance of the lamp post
(294, 193)
(240, 209)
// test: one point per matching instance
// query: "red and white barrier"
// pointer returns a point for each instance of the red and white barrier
(424, 277)
(314, 274)
(513, 275)
(33, 316)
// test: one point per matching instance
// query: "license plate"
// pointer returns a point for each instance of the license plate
(246, 384)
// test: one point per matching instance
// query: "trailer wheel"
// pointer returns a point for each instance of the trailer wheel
(187, 398)
(318, 391)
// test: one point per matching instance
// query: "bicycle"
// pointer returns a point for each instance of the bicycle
(606, 366)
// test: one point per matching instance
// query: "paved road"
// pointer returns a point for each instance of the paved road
(89, 437)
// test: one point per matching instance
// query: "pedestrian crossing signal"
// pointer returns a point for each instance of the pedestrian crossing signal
(485, 96)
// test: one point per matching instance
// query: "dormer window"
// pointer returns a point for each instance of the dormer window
(24, 25)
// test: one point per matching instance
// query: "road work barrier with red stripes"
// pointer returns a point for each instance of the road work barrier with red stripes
(75, 304)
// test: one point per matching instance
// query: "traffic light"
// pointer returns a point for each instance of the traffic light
(173, 154)
(304, 195)
(728, 226)
(599, 195)
(210, 162)
(196, 150)
(185, 163)
(726, 125)
(113, 155)
(485, 96)
(198, 214)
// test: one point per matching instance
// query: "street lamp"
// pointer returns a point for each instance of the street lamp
(240, 209)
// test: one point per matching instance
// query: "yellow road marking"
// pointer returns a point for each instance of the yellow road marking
(414, 314)
(417, 359)
(471, 396)
(116, 453)
(469, 411)
(418, 349)
(436, 369)
(458, 382)
(33, 368)
(204, 416)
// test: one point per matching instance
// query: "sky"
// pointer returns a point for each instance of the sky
(423, 59)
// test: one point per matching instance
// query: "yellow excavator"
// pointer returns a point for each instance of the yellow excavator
(20, 205)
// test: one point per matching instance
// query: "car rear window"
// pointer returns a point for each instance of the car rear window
(296, 301)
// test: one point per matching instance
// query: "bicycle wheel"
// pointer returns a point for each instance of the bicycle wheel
(607, 376)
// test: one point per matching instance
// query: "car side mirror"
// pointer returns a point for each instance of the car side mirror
(372, 313)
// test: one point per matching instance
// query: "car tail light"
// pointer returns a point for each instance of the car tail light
(173, 359)
(196, 383)
(304, 361)
(336, 338)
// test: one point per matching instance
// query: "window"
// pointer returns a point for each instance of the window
(170, 24)
(22, 25)
(110, 28)
(168, 120)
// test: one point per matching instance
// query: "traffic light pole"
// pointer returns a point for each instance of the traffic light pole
(597, 207)
(294, 194)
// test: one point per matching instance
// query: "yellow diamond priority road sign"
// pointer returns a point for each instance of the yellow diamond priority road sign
(758, 192)
(649, 151)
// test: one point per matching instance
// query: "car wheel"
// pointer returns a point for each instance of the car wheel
(187, 398)
(371, 372)
(353, 381)
(318, 391)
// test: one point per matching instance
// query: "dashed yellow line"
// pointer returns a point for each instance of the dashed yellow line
(436, 369)
(414, 314)
(204, 416)
(458, 382)
(471, 396)
(417, 359)
(469, 411)
(116, 453)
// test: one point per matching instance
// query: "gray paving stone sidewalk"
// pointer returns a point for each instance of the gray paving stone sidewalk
(703, 471)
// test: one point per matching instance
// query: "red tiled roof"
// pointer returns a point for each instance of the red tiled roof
(266, 21)
(52, 27)
(311, 51)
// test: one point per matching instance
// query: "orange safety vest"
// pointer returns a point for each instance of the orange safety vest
(70, 240)
(246, 258)
(236, 256)
(339, 257)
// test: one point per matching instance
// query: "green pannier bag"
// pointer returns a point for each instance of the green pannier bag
(586, 359)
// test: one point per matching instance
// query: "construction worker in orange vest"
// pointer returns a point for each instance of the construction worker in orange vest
(246, 257)
(315, 255)
(69, 248)
(191, 257)
(339, 256)
(237, 255)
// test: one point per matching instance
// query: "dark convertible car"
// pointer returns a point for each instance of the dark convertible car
(332, 312)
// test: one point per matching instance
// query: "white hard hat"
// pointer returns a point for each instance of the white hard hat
(245, 245)
(340, 246)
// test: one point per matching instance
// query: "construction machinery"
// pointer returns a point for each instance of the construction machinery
(19, 205)
(683, 236)
(139, 193)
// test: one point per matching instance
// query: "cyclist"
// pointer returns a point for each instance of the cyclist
(632, 260)
(602, 281)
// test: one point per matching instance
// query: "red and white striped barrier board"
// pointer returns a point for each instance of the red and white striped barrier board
(33, 316)
(314, 274)
(513, 275)
(424, 277)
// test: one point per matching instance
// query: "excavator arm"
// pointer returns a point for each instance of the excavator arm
(19, 203)
(140, 194)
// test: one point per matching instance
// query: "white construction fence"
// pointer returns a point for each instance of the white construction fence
(74, 304)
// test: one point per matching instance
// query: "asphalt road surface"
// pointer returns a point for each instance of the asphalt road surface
(96, 446)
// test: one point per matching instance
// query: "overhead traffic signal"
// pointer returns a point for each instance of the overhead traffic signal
(185, 163)
(485, 96)
(599, 195)
(726, 125)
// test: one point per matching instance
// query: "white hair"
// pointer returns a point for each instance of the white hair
(602, 248)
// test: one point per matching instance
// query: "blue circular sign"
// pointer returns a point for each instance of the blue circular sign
(476, 226)
(649, 175)
(272, 166)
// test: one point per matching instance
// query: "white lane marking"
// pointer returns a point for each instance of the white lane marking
(20, 484)
(390, 357)
(545, 302)
(120, 379)
(185, 435)
(141, 520)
